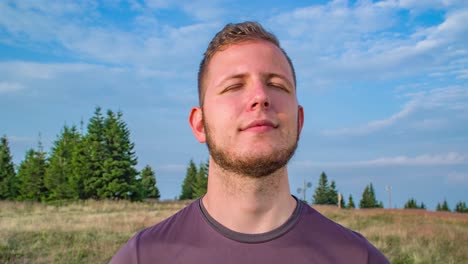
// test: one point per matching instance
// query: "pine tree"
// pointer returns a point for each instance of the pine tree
(351, 202)
(368, 198)
(31, 175)
(189, 181)
(445, 206)
(91, 161)
(59, 174)
(422, 206)
(332, 194)
(119, 174)
(412, 204)
(8, 181)
(343, 202)
(201, 181)
(322, 191)
(148, 183)
(81, 168)
(461, 207)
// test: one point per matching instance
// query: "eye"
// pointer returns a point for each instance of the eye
(232, 87)
(279, 86)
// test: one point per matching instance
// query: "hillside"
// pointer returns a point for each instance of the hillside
(92, 231)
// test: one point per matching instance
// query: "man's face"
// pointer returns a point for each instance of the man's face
(251, 117)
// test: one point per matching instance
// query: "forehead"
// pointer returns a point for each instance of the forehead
(251, 57)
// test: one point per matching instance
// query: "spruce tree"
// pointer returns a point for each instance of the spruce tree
(59, 174)
(412, 204)
(351, 202)
(189, 181)
(322, 191)
(201, 181)
(148, 183)
(92, 160)
(81, 168)
(8, 181)
(119, 174)
(342, 202)
(332, 194)
(461, 207)
(31, 175)
(368, 198)
(443, 207)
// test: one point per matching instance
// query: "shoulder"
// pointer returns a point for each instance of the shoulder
(155, 236)
(335, 237)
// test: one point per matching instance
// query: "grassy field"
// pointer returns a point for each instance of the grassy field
(91, 231)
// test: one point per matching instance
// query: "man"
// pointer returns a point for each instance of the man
(250, 119)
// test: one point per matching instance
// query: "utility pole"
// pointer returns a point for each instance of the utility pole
(388, 188)
(303, 189)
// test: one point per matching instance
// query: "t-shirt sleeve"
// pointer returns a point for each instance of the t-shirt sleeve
(128, 253)
(374, 256)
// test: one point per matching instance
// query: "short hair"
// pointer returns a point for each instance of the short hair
(230, 35)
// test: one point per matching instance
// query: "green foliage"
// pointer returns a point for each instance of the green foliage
(368, 199)
(59, 174)
(93, 157)
(444, 207)
(148, 183)
(31, 176)
(8, 180)
(351, 202)
(412, 204)
(201, 181)
(99, 165)
(324, 193)
(320, 195)
(189, 182)
(332, 194)
(118, 180)
(461, 207)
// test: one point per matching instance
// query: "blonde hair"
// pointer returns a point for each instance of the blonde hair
(233, 34)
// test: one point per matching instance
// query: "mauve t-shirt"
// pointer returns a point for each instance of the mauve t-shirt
(193, 236)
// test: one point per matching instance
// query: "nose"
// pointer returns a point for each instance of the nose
(260, 97)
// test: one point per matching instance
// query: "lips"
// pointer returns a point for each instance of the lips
(259, 125)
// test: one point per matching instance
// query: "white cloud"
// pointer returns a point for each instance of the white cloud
(454, 98)
(342, 41)
(148, 43)
(451, 158)
(457, 177)
(10, 87)
(427, 4)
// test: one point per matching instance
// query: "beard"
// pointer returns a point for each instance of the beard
(250, 166)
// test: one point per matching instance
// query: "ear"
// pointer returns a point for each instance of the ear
(196, 123)
(300, 118)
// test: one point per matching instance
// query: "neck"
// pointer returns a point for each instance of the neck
(248, 205)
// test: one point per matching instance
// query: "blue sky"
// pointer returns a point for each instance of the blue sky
(384, 84)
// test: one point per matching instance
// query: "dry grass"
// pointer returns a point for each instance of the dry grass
(409, 236)
(84, 232)
(92, 231)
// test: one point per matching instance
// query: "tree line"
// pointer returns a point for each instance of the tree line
(100, 164)
(327, 194)
(97, 164)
